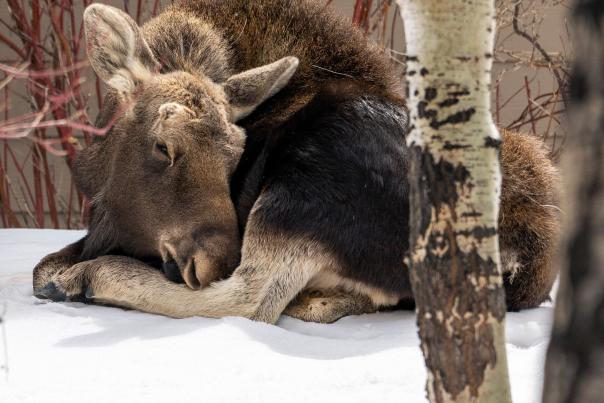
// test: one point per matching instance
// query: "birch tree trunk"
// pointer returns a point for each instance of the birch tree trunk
(455, 185)
(575, 359)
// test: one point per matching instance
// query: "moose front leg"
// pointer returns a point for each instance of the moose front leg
(275, 266)
(272, 272)
(52, 264)
(109, 275)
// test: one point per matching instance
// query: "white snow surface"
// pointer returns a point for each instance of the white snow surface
(72, 352)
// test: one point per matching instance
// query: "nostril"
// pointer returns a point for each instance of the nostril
(172, 272)
(179, 265)
(189, 275)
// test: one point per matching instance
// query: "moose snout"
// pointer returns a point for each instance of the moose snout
(172, 271)
(198, 263)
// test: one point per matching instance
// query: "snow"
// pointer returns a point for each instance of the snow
(71, 352)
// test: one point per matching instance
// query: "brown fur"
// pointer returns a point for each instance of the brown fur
(529, 219)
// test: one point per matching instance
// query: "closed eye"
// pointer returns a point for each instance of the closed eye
(162, 148)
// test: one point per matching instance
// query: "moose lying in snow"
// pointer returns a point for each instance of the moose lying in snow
(259, 155)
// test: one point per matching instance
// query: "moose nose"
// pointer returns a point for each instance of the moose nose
(179, 263)
(197, 263)
(172, 272)
(200, 257)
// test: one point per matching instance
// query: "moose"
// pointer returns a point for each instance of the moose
(256, 166)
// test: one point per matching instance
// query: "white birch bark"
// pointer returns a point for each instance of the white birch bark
(455, 186)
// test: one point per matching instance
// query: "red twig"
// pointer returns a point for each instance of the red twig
(530, 108)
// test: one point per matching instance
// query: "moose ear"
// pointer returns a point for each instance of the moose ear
(116, 48)
(246, 90)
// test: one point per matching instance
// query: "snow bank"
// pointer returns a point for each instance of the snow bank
(71, 352)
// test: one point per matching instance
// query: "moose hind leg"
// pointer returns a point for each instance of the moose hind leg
(327, 306)
(528, 276)
(528, 221)
(280, 267)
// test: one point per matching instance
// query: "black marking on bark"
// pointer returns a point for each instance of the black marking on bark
(492, 142)
(424, 71)
(479, 233)
(416, 92)
(446, 174)
(424, 113)
(411, 73)
(463, 58)
(448, 102)
(450, 146)
(488, 55)
(470, 214)
(430, 93)
(412, 59)
(459, 117)
(459, 93)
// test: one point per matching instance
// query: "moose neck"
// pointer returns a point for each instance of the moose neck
(182, 41)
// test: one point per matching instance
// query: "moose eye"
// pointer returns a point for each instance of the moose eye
(162, 148)
(163, 152)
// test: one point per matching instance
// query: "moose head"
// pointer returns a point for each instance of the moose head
(159, 179)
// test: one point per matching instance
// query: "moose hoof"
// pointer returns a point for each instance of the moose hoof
(89, 293)
(52, 292)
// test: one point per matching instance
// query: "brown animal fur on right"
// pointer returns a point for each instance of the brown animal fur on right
(529, 210)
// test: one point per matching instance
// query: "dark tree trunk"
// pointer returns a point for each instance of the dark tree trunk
(575, 359)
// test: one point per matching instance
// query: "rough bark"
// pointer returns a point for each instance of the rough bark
(575, 359)
(455, 185)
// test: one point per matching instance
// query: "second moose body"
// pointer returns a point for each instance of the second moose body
(259, 153)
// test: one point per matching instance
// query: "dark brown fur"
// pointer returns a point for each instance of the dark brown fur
(528, 220)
